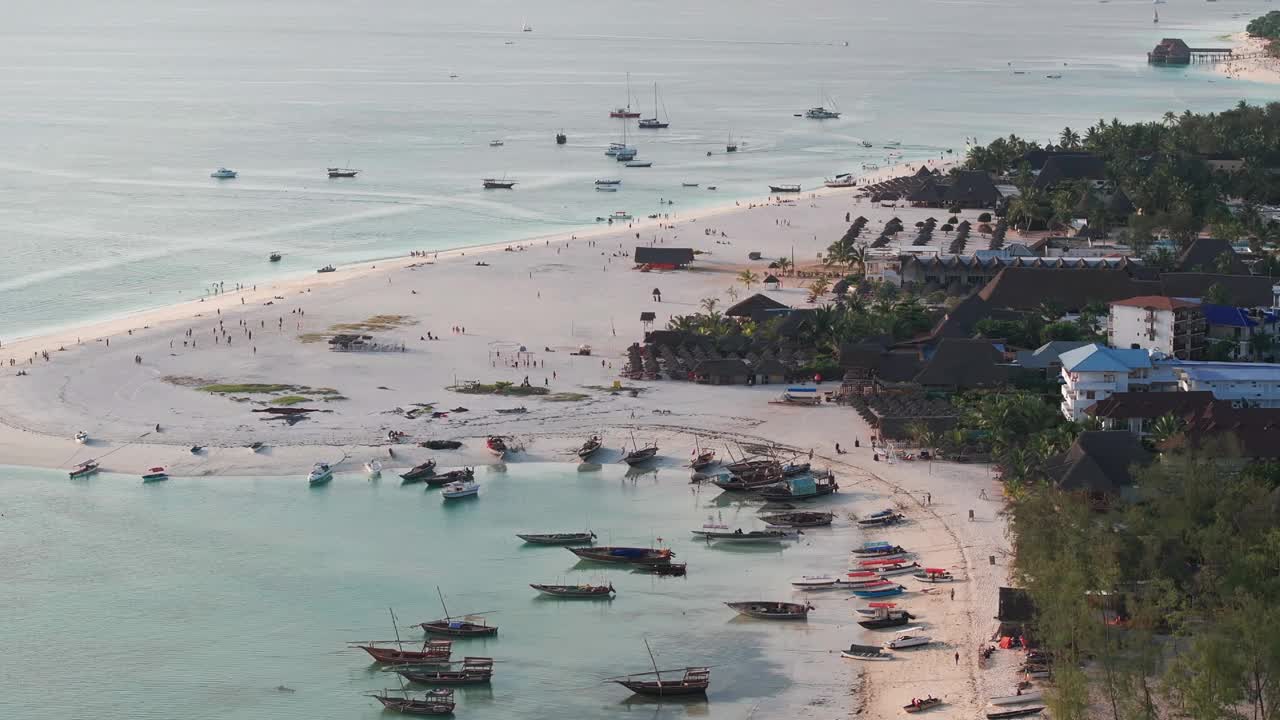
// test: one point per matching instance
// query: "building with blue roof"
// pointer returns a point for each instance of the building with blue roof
(1095, 372)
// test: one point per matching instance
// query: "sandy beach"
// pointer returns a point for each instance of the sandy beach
(521, 315)
(1252, 61)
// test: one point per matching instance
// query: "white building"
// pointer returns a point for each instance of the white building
(1094, 372)
(1170, 326)
(1252, 384)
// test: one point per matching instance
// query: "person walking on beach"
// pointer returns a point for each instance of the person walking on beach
(953, 594)
(957, 658)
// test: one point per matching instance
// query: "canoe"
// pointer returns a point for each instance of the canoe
(576, 592)
(922, 705)
(799, 519)
(1016, 713)
(1026, 697)
(557, 538)
(752, 536)
(768, 610)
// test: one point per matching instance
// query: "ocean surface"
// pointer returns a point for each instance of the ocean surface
(198, 598)
(114, 115)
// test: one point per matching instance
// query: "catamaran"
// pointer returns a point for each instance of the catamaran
(653, 123)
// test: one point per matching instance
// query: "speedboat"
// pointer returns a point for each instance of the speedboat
(639, 164)
(373, 467)
(223, 174)
(82, 437)
(460, 489)
(320, 474)
(684, 184)
(274, 257)
(155, 474)
(620, 215)
(866, 144)
(907, 641)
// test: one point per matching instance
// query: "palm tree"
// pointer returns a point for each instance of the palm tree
(818, 288)
(783, 264)
(748, 278)
(732, 292)
(1164, 428)
(1069, 139)
(858, 256)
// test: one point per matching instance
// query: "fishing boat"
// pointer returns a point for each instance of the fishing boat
(155, 474)
(880, 592)
(607, 188)
(342, 172)
(640, 455)
(887, 619)
(1015, 713)
(896, 569)
(557, 538)
(419, 473)
(844, 180)
(865, 652)
(639, 164)
(933, 575)
(373, 467)
(274, 257)
(609, 181)
(784, 188)
(703, 460)
(497, 446)
(752, 465)
(763, 610)
(804, 487)
(498, 184)
(922, 704)
(442, 479)
(466, 626)
(693, 681)
(908, 641)
(474, 671)
(730, 146)
(799, 519)
(653, 123)
(590, 447)
(82, 437)
(223, 174)
(576, 592)
(732, 483)
(460, 489)
(1026, 697)
(433, 651)
(496, 143)
(327, 269)
(320, 474)
(618, 554)
(561, 138)
(689, 185)
(746, 537)
(625, 112)
(432, 702)
(620, 215)
(882, 520)
(664, 569)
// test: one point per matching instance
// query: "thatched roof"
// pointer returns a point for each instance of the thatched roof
(1098, 462)
(754, 305)
(646, 255)
(1203, 253)
(962, 363)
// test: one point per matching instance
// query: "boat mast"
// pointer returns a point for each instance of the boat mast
(628, 92)
(442, 605)
(654, 662)
(395, 626)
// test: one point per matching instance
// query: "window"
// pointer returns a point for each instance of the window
(1108, 377)
(1088, 394)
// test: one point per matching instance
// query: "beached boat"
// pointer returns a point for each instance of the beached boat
(908, 641)
(625, 112)
(887, 619)
(1025, 697)
(793, 469)
(223, 174)
(498, 184)
(882, 520)
(784, 188)
(641, 455)
(933, 575)
(433, 651)
(732, 483)
(896, 569)
(496, 445)
(865, 652)
(879, 551)
(654, 123)
(618, 554)
(373, 467)
(590, 447)
(873, 608)
(764, 610)
(342, 172)
(1015, 713)
(453, 476)
(441, 444)
(474, 671)
(752, 464)
(327, 269)
(844, 180)
(432, 702)
(418, 473)
(922, 704)
(815, 582)
(320, 474)
(155, 474)
(803, 487)
(874, 592)
(576, 592)
(82, 437)
(512, 410)
(703, 460)
(799, 519)
(557, 538)
(619, 215)
(746, 536)
(460, 489)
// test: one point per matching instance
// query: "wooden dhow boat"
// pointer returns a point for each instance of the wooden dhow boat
(470, 625)
(801, 487)
(641, 455)
(590, 447)
(84, 469)
(865, 652)
(474, 671)
(418, 473)
(742, 536)
(693, 681)
(576, 592)
(799, 519)
(433, 651)
(668, 569)
(432, 702)
(627, 555)
(558, 538)
(768, 610)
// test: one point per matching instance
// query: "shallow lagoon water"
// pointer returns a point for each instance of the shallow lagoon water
(196, 598)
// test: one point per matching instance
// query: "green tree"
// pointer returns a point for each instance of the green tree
(748, 278)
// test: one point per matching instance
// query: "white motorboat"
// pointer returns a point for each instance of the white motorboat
(814, 582)
(892, 570)
(460, 489)
(82, 437)
(908, 641)
(373, 467)
(223, 174)
(320, 474)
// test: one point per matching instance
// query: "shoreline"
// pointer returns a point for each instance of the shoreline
(1260, 66)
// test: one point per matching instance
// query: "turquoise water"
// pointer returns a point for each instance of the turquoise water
(194, 599)
(115, 114)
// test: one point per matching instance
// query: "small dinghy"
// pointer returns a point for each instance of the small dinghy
(933, 575)
(462, 489)
(82, 437)
(373, 467)
(582, 538)
(762, 610)
(84, 469)
(922, 704)
(320, 474)
(576, 592)
(865, 652)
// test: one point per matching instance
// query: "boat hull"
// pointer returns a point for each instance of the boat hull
(466, 629)
(652, 688)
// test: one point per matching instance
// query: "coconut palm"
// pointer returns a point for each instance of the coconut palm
(1164, 428)
(858, 255)
(818, 288)
(1069, 139)
(732, 292)
(708, 304)
(783, 264)
(748, 278)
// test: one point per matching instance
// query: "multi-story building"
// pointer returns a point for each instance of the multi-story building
(1172, 326)
(1095, 372)
(1244, 384)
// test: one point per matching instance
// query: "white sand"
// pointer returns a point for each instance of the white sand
(1256, 64)
(549, 293)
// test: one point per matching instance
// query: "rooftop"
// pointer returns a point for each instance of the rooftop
(1158, 302)
(1100, 358)
(1228, 371)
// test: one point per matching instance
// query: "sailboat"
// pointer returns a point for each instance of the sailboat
(653, 123)
(731, 146)
(622, 152)
(625, 112)
(820, 112)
